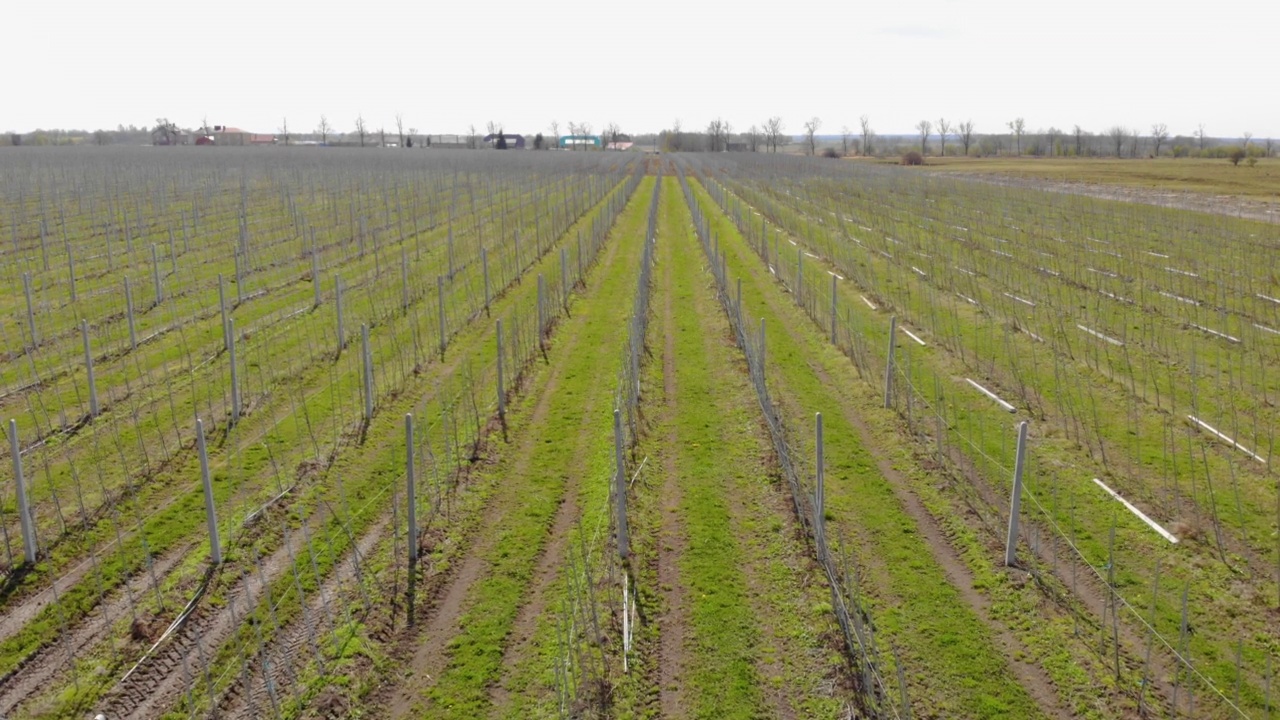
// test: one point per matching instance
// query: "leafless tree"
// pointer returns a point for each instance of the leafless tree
(473, 139)
(555, 133)
(1159, 133)
(944, 127)
(811, 127)
(611, 133)
(284, 130)
(1247, 137)
(753, 138)
(1052, 135)
(1200, 136)
(773, 132)
(1017, 126)
(1117, 133)
(717, 134)
(1268, 141)
(675, 142)
(413, 132)
(400, 128)
(925, 127)
(845, 134)
(966, 134)
(361, 129)
(865, 123)
(1078, 132)
(323, 129)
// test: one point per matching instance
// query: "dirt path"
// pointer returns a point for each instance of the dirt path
(673, 623)
(1031, 675)
(34, 674)
(239, 702)
(431, 657)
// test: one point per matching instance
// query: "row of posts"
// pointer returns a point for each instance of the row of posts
(1015, 499)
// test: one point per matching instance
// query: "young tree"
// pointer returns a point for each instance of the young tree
(1159, 134)
(753, 138)
(400, 128)
(925, 127)
(323, 129)
(382, 136)
(811, 127)
(845, 132)
(555, 133)
(1017, 126)
(674, 141)
(773, 132)
(865, 123)
(1200, 137)
(1117, 133)
(1079, 135)
(966, 135)
(944, 127)
(361, 129)
(284, 130)
(473, 139)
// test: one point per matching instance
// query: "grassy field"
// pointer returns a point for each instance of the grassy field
(1209, 176)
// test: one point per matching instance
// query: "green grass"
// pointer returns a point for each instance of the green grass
(475, 655)
(754, 597)
(952, 664)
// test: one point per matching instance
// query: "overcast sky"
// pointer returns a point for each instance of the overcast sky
(446, 65)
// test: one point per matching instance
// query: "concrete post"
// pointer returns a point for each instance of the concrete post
(888, 368)
(502, 398)
(31, 313)
(484, 269)
(833, 310)
(337, 296)
(155, 274)
(88, 366)
(620, 488)
(128, 308)
(819, 496)
(368, 373)
(24, 508)
(222, 307)
(235, 372)
(210, 512)
(411, 495)
(1015, 501)
(440, 295)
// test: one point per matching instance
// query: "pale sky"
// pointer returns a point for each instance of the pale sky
(447, 65)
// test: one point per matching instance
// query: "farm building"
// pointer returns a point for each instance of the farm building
(227, 135)
(514, 142)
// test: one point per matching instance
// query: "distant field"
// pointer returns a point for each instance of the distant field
(1216, 177)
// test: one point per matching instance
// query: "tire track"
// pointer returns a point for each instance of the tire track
(159, 680)
(431, 657)
(283, 658)
(673, 623)
(38, 669)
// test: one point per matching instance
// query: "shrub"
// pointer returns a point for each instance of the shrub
(1235, 155)
(831, 153)
(913, 158)
(1252, 161)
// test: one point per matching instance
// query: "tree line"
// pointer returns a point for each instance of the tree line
(931, 138)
